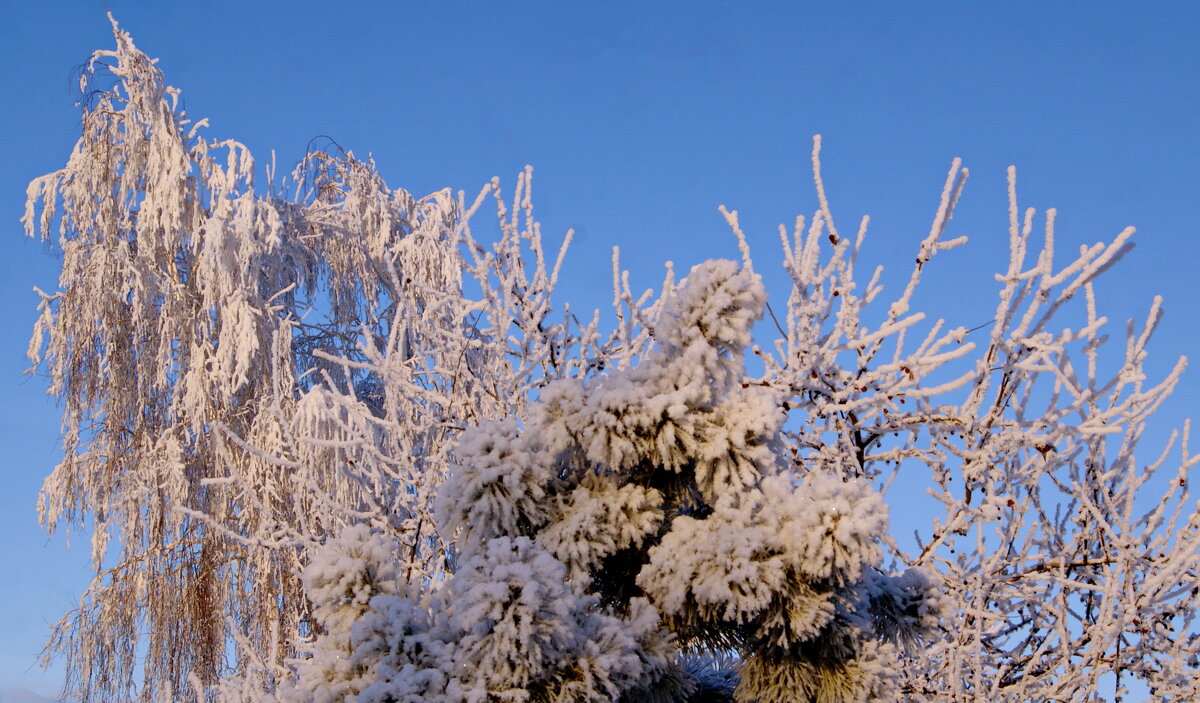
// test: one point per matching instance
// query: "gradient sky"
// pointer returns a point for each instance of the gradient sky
(640, 118)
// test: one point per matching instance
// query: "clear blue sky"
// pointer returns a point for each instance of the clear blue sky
(639, 119)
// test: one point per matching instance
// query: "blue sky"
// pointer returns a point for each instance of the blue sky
(640, 119)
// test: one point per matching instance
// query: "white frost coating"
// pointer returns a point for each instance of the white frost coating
(377, 644)
(515, 615)
(829, 527)
(725, 567)
(348, 572)
(501, 490)
(599, 518)
(517, 627)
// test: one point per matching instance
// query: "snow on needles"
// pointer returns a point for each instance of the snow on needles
(647, 512)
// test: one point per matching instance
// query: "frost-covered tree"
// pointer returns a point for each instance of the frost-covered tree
(1070, 561)
(633, 519)
(331, 446)
(660, 491)
(244, 373)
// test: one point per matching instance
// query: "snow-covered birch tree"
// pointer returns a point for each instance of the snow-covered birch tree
(331, 444)
(245, 372)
